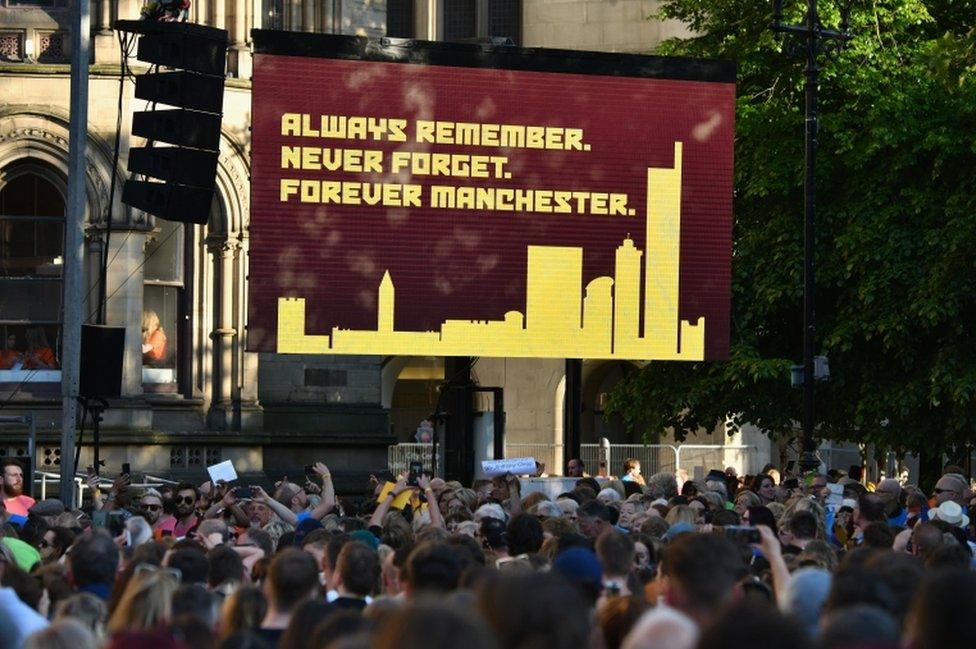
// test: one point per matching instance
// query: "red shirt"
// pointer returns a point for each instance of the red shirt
(44, 354)
(8, 357)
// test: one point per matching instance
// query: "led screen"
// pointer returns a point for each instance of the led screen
(425, 199)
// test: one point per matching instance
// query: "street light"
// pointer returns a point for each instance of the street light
(811, 38)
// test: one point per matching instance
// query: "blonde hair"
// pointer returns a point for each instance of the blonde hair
(751, 496)
(533, 499)
(150, 321)
(681, 514)
(145, 602)
(65, 633)
(87, 609)
(800, 503)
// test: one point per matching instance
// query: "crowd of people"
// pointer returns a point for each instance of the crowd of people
(816, 560)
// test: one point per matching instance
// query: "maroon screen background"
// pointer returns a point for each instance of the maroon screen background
(467, 264)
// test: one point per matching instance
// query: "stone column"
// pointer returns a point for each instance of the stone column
(249, 415)
(199, 12)
(104, 41)
(224, 335)
(239, 53)
(104, 16)
(220, 14)
(426, 15)
(308, 15)
(293, 9)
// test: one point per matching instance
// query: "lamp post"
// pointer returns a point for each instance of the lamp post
(810, 39)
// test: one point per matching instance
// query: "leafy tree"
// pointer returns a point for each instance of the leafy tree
(896, 230)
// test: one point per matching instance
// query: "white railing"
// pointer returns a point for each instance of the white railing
(607, 458)
(42, 478)
(399, 456)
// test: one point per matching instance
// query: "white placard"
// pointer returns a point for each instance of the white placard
(514, 465)
(222, 471)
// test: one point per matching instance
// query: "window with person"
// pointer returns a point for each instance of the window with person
(32, 210)
(162, 292)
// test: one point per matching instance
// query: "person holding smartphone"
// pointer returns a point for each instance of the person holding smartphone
(295, 497)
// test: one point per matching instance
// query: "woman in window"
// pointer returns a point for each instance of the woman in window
(11, 357)
(153, 339)
(39, 355)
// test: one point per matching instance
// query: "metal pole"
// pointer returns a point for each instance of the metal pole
(74, 244)
(808, 458)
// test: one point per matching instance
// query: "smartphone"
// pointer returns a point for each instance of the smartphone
(416, 470)
(99, 519)
(126, 469)
(310, 474)
(242, 492)
(742, 534)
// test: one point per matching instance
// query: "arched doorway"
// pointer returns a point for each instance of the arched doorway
(599, 379)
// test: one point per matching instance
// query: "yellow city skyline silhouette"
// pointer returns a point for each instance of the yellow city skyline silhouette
(560, 320)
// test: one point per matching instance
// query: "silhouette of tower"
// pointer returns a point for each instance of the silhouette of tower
(384, 311)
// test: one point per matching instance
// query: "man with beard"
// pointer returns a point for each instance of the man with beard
(16, 502)
(185, 501)
(295, 498)
(152, 504)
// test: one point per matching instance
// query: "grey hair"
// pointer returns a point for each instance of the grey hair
(139, 531)
(718, 487)
(662, 485)
(662, 627)
(548, 509)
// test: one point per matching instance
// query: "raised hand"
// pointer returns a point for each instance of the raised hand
(120, 483)
(401, 486)
(92, 480)
(259, 495)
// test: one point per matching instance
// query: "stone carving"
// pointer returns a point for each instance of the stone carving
(95, 171)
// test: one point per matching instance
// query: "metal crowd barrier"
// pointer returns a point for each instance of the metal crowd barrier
(399, 456)
(654, 458)
(42, 478)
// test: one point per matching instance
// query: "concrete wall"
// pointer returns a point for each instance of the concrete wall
(599, 25)
(313, 379)
(530, 387)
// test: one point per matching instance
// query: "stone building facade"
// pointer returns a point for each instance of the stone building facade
(207, 399)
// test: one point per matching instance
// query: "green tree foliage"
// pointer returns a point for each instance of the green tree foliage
(896, 230)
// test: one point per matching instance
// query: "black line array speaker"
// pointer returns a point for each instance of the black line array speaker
(102, 348)
(179, 179)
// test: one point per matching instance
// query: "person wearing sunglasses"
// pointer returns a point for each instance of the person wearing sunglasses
(152, 504)
(952, 487)
(185, 501)
(54, 543)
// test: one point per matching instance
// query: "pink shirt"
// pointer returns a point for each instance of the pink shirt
(18, 505)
